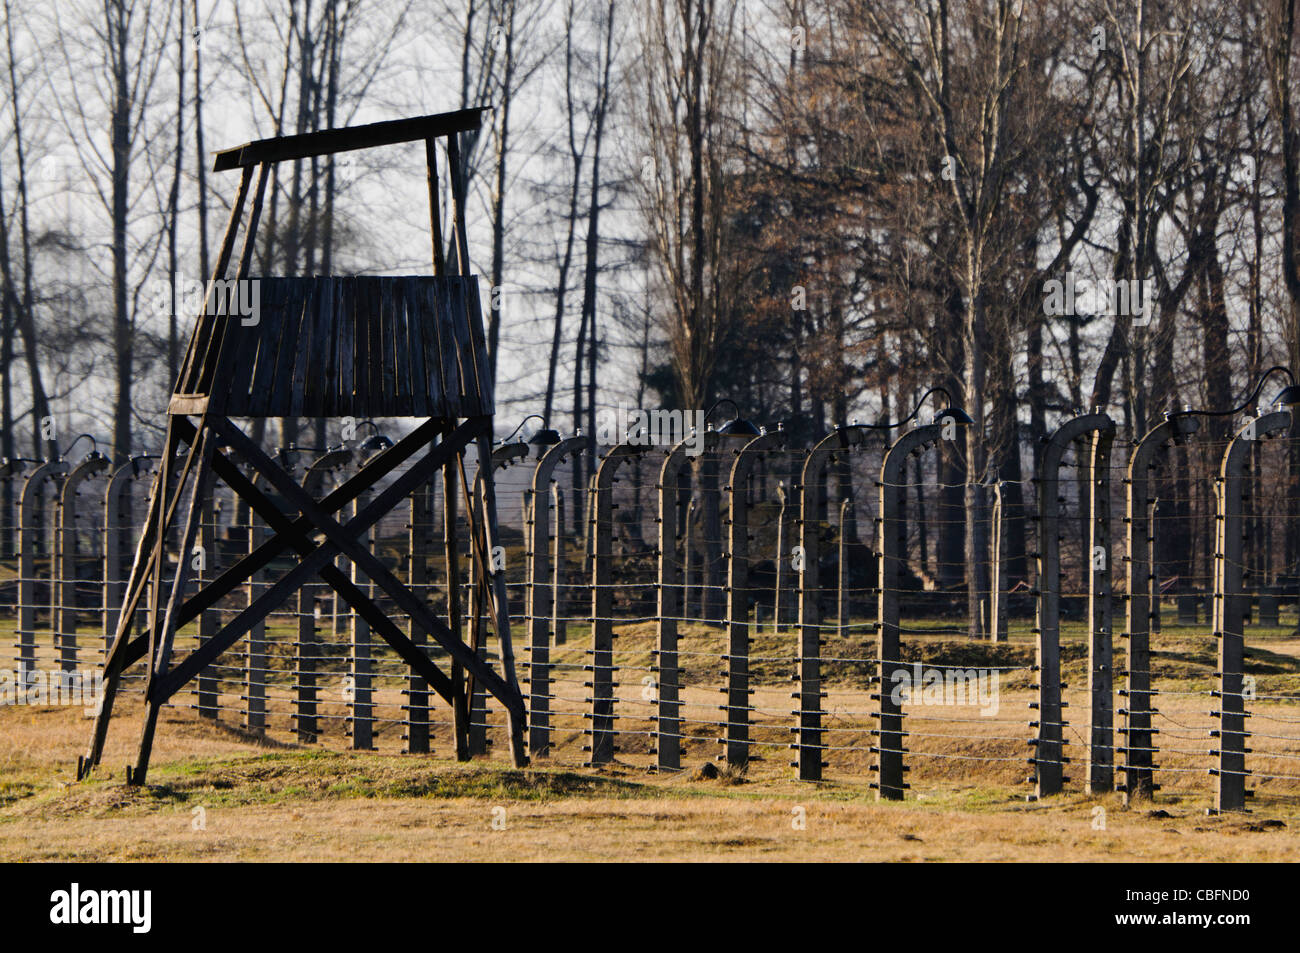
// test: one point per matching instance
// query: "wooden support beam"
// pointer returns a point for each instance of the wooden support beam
(123, 652)
(459, 701)
(375, 470)
(201, 338)
(170, 491)
(349, 138)
(435, 212)
(160, 656)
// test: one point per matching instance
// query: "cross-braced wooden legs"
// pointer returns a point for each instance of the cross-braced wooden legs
(506, 690)
(300, 534)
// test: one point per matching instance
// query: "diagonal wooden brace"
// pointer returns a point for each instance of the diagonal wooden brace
(343, 539)
(311, 564)
(335, 577)
(349, 490)
(260, 558)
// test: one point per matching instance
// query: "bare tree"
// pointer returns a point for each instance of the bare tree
(21, 311)
(966, 67)
(688, 97)
(129, 39)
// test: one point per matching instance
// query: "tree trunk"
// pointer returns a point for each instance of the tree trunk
(123, 332)
(23, 312)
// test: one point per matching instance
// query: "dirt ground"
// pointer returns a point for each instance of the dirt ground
(216, 795)
(217, 792)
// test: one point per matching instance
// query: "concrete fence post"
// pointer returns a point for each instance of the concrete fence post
(809, 748)
(32, 543)
(674, 603)
(738, 691)
(1049, 750)
(1231, 602)
(690, 565)
(889, 749)
(843, 583)
(712, 564)
(1138, 742)
(66, 557)
(601, 533)
(997, 627)
(542, 590)
(1099, 776)
(781, 598)
(1268, 609)
(559, 572)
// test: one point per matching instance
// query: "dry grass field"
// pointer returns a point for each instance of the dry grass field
(219, 793)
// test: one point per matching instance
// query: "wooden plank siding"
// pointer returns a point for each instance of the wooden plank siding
(371, 345)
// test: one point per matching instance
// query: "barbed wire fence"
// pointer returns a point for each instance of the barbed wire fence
(765, 609)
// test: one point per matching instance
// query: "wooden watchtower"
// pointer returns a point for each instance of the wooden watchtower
(324, 347)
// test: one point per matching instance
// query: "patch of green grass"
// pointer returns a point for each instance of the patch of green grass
(13, 791)
(312, 776)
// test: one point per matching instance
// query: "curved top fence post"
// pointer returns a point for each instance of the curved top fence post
(541, 592)
(668, 741)
(29, 540)
(1230, 604)
(602, 602)
(809, 746)
(889, 743)
(1048, 747)
(1137, 747)
(66, 538)
(737, 657)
